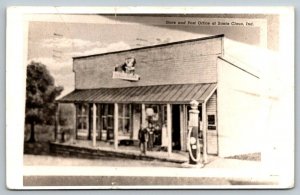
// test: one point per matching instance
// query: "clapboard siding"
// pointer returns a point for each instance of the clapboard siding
(212, 104)
(212, 143)
(212, 135)
(191, 62)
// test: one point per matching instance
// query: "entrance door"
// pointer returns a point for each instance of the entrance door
(176, 127)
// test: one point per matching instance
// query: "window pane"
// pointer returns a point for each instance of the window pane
(120, 124)
(84, 126)
(110, 109)
(84, 109)
(126, 126)
(82, 116)
(120, 110)
(104, 122)
(155, 116)
(91, 108)
(110, 122)
(82, 123)
(137, 108)
(155, 109)
(100, 109)
(126, 107)
(97, 123)
(79, 123)
(211, 119)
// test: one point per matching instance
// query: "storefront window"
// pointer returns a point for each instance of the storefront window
(82, 120)
(107, 121)
(125, 120)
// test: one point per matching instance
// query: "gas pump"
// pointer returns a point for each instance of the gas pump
(193, 144)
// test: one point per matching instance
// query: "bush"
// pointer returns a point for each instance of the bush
(66, 115)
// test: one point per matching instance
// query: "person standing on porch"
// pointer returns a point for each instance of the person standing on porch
(143, 137)
(150, 130)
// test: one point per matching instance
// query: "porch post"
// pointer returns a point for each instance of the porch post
(182, 129)
(185, 112)
(169, 128)
(204, 122)
(94, 124)
(143, 116)
(73, 134)
(116, 123)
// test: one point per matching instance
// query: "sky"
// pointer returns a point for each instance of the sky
(54, 39)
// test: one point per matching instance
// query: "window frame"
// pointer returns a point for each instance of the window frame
(79, 115)
(105, 116)
(123, 118)
(212, 127)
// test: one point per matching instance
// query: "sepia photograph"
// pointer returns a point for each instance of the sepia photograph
(150, 98)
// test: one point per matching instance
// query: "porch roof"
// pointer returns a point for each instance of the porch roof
(159, 94)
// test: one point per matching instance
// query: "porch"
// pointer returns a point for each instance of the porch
(110, 115)
(85, 149)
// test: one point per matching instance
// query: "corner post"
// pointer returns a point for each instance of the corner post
(204, 122)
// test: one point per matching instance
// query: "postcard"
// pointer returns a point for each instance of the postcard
(150, 97)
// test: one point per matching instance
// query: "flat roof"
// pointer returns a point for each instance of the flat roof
(152, 46)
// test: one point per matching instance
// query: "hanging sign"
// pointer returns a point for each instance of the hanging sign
(126, 71)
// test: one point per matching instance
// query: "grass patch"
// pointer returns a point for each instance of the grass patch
(251, 157)
(43, 135)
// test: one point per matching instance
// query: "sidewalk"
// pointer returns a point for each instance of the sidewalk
(85, 149)
(155, 164)
(218, 172)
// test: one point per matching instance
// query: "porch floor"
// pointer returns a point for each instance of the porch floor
(129, 151)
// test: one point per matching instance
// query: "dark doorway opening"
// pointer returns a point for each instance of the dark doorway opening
(176, 145)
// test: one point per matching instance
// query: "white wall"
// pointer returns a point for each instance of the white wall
(239, 124)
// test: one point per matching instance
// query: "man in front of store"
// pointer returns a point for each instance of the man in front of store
(143, 137)
(150, 130)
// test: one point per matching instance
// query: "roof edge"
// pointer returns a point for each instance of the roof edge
(152, 46)
(142, 86)
(236, 66)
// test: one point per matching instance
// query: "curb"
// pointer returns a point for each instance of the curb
(60, 149)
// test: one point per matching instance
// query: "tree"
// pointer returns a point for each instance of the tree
(40, 97)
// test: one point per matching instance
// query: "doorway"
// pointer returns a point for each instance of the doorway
(176, 145)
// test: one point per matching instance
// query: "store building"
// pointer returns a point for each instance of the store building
(116, 94)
